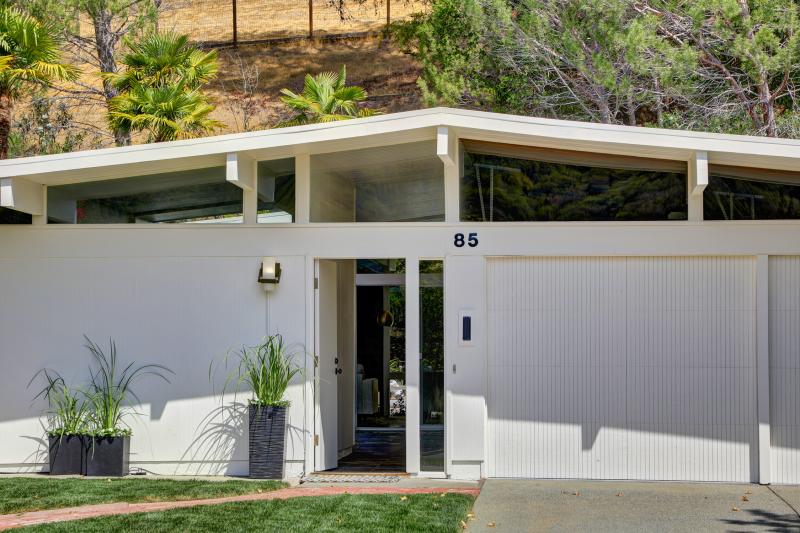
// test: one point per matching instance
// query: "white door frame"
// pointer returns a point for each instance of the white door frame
(411, 281)
(325, 440)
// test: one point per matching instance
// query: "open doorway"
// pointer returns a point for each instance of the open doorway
(380, 367)
(360, 378)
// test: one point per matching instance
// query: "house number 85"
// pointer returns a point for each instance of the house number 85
(471, 240)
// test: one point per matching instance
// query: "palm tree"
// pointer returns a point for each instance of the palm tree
(166, 112)
(29, 58)
(160, 89)
(163, 59)
(325, 98)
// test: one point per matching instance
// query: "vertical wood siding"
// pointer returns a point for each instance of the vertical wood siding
(784, 367)
(622, 368)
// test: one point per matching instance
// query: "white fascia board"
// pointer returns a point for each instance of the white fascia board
(240, 170)
(396, 128)
(739, 150)
(351, 134)
(22, 195)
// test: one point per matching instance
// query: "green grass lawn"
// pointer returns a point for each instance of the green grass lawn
(373, 513)
(19, 494)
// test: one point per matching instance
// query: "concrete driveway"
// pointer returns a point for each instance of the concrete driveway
(528, 505)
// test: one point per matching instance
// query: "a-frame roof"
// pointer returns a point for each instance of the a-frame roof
(397, 128)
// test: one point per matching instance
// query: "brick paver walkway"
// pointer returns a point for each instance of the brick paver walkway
(10, 521)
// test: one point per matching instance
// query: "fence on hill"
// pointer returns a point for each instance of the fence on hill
(221, 22)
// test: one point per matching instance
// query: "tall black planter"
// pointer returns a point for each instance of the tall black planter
(107, 456)
(267, 441)
(67, 454)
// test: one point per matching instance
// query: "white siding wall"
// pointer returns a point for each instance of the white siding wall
(177, 311)
(640, 368)
(784, 367)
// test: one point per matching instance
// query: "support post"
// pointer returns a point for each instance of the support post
(412, 366)
(698, 180)
(250, 204)
(388, 13)
(762, 369)
(40, 220)
(302, 184)
(447, 148)
(242, 171)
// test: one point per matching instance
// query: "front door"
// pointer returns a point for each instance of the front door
(326, 369)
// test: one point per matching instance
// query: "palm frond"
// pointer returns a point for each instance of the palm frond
(30, 52)
(325, 98)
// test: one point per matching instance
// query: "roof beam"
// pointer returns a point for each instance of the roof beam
(697, 177)
(445, 147)
(240, 170)
(698, 173)
(22, 195)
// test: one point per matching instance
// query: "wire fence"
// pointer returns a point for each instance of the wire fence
(230, 22)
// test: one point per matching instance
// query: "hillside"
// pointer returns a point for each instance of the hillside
(388, 75)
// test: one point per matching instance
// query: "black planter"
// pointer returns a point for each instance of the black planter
(267, 441)
(67, 454)
(107, 456)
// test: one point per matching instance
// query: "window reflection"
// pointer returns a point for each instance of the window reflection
(750, 194)
(200, 196)
(502, 183)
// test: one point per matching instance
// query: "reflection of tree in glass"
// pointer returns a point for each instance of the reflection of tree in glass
(554, 191)
(397, 337)
(739, 199)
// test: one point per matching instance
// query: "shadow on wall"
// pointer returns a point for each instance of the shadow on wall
(220, 437)
(39, 456)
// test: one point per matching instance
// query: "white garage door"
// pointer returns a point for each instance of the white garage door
(784, 372)
(622, 368)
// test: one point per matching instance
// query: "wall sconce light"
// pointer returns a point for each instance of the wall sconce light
(270, 273)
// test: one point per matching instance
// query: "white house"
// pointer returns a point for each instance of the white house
(548, 299)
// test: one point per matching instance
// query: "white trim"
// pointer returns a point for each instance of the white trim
(412, 366)
(426, 279)
(309, 372)
(350, 240)
(762, 368)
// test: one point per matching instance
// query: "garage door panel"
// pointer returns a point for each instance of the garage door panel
(784, 363)
(639, 368)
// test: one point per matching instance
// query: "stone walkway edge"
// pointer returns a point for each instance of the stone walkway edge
(65, 514)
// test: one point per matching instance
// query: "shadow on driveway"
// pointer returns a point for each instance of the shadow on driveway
(620, 506)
